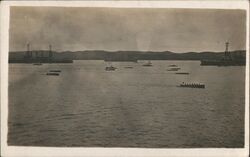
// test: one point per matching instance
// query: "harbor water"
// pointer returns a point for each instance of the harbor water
(87, 106)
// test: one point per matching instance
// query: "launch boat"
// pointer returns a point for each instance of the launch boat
(148, 64)
(110, 67)
(173, 69)
(182, 73)
(172, 65)
(56, 71)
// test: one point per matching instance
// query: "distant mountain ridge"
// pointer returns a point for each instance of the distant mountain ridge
(128, 55)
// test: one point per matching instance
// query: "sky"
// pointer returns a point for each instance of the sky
(128, 29)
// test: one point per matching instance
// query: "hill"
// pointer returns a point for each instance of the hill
(126, 55)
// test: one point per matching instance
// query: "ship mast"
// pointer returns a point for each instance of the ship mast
(50, 51)
(227, 44)
(227, 53)
(28, 50)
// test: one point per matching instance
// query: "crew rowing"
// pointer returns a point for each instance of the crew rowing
(192, 85)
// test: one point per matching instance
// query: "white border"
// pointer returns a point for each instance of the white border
(138, 152)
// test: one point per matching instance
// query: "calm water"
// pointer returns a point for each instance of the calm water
(139, 107)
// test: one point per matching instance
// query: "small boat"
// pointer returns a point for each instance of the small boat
(182, 73)
(53, 74)
(110, 68)
(173, 69)
(55, 71)
(172, 65)
(192, 85)
(37, 63)
(148, 64)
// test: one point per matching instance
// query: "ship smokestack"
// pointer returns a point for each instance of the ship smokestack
(28, 47)
(28, 50)
(227, 45)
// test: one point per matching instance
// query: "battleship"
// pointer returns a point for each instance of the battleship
(38, 57)
(227, 60)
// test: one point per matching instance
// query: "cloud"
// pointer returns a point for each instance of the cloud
(126, 29)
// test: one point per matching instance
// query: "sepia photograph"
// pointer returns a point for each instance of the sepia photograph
(132, 77)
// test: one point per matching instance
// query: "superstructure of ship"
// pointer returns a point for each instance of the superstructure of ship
(227, 60)
(38, 57)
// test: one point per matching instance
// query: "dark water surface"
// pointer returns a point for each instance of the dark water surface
(139, 107)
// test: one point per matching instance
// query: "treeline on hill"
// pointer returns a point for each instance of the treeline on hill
(127, 55)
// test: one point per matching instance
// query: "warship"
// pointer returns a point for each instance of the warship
(38, 57)
(227, 60)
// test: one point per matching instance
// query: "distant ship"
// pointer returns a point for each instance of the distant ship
(148, 64)
(227, 60)
(110, 68)
(39, 57)
(172, 65)
(173, 69)
(56, 71)
(182, 73)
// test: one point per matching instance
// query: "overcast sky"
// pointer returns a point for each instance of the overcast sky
(77, 29)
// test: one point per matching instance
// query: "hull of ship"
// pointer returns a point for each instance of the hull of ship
(222, 63)
(40, 61)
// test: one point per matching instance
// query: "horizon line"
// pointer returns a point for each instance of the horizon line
(128, 51)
